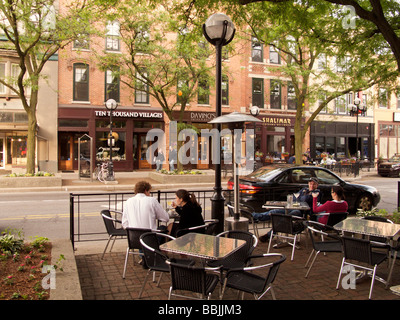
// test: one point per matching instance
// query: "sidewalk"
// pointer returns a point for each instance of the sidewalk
(102, 279)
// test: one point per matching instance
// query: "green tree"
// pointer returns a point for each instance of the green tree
(35, 31)
(167, 55)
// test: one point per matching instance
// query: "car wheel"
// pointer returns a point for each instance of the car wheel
(364, 202)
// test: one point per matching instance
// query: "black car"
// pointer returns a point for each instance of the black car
(274, 183)
(390, 168)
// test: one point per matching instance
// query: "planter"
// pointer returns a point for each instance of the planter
(30, 182)
(184, 178)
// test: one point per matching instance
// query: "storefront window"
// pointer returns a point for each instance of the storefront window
(319, 146)
(275, 146)
(72, 123)
(149, 125)
(341, 148)
(330, 145)
(106, 124)
(103, 150)
(17, 145)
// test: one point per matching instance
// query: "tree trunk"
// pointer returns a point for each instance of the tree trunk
(31, 142)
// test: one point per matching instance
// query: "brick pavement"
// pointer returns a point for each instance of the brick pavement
(102, 279)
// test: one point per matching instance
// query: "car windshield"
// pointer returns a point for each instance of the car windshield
(265, 173)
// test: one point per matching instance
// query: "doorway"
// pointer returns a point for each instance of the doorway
(66, 151)
(143, 146)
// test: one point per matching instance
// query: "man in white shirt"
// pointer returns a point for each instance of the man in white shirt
(143, 210)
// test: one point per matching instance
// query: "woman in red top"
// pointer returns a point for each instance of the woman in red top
(338, 204)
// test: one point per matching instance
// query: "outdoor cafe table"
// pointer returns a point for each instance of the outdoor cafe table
(203, 246)
(302, 206)
(372, 228)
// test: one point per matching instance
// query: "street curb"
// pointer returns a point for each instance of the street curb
(67, 284)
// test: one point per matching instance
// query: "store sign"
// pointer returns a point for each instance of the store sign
(201, 116)
(131, 114)
(277, 121)
(396, 116)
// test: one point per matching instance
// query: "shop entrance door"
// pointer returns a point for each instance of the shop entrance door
(143, 146)
(2, 162)
(66, 151)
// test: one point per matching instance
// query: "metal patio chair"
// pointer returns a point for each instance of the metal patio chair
(111, 223)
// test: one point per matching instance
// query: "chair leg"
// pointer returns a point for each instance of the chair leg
(144, 283)
(159, 279)
(170, 293)
(272, 292)
(391, 268)
(309, 258)
(372, 283)
(294, 247)
(340, 273)
(312, 263)
(105, 249)
(126, 263)
(270, 240)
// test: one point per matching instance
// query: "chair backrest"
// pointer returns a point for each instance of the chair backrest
(198, 229)
(320, 229)
(282, 223)
(187, 277)
(357, 249)
(336, 217)
(150, 243)
(134, 237)
(231, 210)
(273, 271)
(108, 221)
(240, 256)
(211, 225)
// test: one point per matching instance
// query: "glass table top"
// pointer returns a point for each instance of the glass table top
(203, 246)
(368, 227)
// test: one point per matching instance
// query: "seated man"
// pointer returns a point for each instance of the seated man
(305, 196)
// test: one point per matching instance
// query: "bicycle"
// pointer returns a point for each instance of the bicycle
(101, 172)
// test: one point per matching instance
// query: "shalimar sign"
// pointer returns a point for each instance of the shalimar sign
(277, 121)
(131, 114)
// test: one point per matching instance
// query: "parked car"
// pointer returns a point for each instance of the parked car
(275, 182)
(391, 167)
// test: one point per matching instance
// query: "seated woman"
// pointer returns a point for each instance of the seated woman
(338, 204)
(189, 210)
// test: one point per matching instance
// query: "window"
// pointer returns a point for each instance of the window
(112, 36)
(291, 96)
(81, 82)
(142, 39)
(322, 61)
(340, 104)
(112, 84)
(383, 98)
(343, 64)
(275, 95)
(258, 92)
(82, 42)
(321, 100)
(203, 92)
(225, 90)
(141, 88)
(274, 55)
(2, 77)
(256, 50)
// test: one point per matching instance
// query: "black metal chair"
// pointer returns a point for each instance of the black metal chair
(333, 218)
(325, 246)
(133, 244)
(154, 258)
(196, 229)
(211, 226)
(113, 231)
(379, 219)
(188, 277)
(287, 227)
(239, 257)
(360, 251)
(243, 279)
(247, 212)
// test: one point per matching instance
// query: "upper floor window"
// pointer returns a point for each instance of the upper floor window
(112, 84)
(113, 36)
(81, 82)
(343, 64)
(274, 55)
(225, 90)
(258, 92)
(275, 94)
(141, 88)
(341, 104)
(256, 50)
(203, 92)
(383, 98)
(322, 61)
(9, 73)
(142, 39)
(291, 96)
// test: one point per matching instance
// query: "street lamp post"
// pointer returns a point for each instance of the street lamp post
(219, 31)
(356, 111)
(111, 105)
(254, 111)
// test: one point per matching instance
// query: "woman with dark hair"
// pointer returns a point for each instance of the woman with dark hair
(338, 204)
(189, 210)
